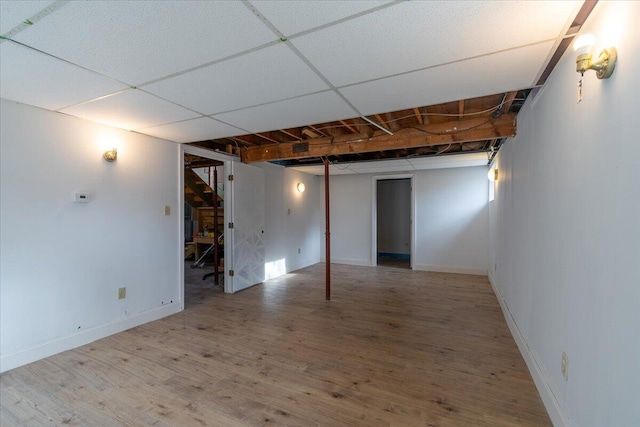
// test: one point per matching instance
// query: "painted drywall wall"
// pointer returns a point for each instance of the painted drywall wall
(292, 220)
(451, 219)
(565, 235)
(394, 216)
(63, 262)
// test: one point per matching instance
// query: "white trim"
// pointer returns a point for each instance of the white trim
(14, 360)
(181, 237)
(551, 404)
(374, 215)
(348, 261)
(450, 269)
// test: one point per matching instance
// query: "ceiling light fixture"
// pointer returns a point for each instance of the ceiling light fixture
(111, 155)
(603, 65)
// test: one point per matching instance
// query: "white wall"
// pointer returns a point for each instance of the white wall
(394, 216)
(565, 233)
(292, 219)
(451, 219)
(61, 262)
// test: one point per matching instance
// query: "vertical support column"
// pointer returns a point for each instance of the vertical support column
(327, 231)
(216, 259)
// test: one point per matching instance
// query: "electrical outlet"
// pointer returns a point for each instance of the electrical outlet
(122, 293)
(167, 210)
(565, 366)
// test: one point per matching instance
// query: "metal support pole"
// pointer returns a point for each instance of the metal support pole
(327, 231)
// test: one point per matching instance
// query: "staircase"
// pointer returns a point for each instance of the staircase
(197, 193)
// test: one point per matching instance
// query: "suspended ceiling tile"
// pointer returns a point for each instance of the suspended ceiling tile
(263, 76)
(132, 109)
(309, 109)
(394, 163)
(291, 17)
(14, 13)
(319, 169)
(418, 34)
(138, 41)
(37, 79)
(501, 72)
(193, 130)
(449, 161)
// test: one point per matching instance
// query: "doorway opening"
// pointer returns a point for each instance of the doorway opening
(393, 242)
(204, 213)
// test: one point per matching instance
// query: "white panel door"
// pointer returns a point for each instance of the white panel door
(247, 234)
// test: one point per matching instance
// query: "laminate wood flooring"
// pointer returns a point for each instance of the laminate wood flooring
(393, 348)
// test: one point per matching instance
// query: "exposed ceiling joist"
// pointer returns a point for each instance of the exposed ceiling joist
(449, 132)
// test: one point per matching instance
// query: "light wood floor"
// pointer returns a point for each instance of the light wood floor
(393, 348)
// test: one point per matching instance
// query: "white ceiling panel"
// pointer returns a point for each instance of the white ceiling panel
(450, 161)
(138, 41)
(192, 130)
(132, 109)
(319, 169)
(14, 13)
(291, 17)
(418, 34)
(505, 71)
(34, 78)
(390, 166)
(267, 75)
(398, 163)
(309, 109)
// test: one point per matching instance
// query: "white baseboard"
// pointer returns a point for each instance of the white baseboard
(446, 269)
(23, 357)
(348, 261)
(540, 379)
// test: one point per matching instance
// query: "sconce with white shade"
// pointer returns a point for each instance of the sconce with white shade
(111, 155)
(603, 65)
(300, 187)
(493, 174)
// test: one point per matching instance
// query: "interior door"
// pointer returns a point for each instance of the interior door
(247, 234)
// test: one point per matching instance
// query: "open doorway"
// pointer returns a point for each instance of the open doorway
(393, 242)
(203, 228)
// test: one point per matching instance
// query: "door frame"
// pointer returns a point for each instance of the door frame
(374, 215)
(227, 159)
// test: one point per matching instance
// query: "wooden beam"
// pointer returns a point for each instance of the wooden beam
(348, 126)
(286, 132)
(454, 131)
(418, 114)
(508, 100)
(259, 135)
(461, 108)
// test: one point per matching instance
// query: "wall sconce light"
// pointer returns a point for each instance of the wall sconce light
(111, 155)
(300, 187)
(603, 65)
(493, 174)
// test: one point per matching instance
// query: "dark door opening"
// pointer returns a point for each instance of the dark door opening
(393, 228)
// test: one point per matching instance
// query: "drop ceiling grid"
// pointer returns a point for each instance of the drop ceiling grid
(135, 43)
(292, 17)
(518, 70)
(131, 109)
(267, 75)
(14, 13)
(309, 109)
(47, 82)
(192, 130)
(414, 35)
